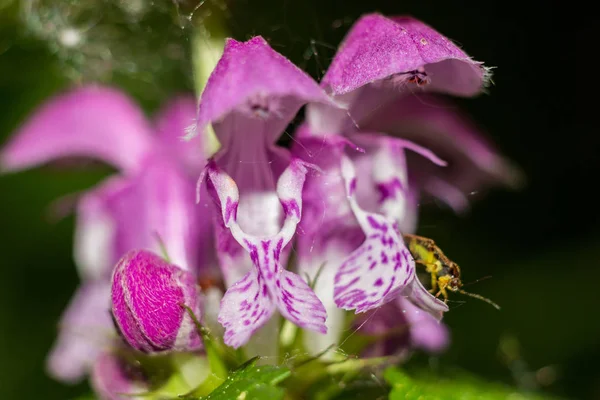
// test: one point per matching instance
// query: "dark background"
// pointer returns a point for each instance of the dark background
(540, 244)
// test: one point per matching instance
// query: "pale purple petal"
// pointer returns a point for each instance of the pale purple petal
(91, 121)
(85, 330)
(95, 249)
(324, 195)
(401, 327)
(147, 298)
(113, 379)
(381, 268)
(473, 163)
(158, 202)
(426, 332)
(292, 296)
(401, 48)
(172, 125)
(254, 89)
(322, 252)
(425, 300)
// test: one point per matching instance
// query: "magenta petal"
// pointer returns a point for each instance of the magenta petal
(86, 329)
(172, 125)
(147, 298)
(381, 268)
(113, 379)
(378, 47)
(254, 88)
(92, 121)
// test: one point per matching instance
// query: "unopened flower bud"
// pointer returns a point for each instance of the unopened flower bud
(148, 295)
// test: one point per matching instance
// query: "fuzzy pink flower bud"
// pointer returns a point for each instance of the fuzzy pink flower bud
(148, 295)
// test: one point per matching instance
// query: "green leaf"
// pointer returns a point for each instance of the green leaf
(250, 382)
(460, 387)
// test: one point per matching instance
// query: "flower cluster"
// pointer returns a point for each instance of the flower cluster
(376, 139)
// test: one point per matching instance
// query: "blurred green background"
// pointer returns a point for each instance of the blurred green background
(539, 244)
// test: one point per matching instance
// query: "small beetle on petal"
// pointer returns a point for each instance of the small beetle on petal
(148, 295)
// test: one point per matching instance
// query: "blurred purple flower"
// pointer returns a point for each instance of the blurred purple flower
(152, 196)
(114, 379)
(400, 326)
(376, 97)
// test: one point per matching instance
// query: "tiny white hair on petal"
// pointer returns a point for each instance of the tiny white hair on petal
(191, 131)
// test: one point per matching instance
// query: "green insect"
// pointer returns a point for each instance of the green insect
(444, 273)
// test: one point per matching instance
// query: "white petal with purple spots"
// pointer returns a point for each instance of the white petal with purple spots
(268, 285)
(381, 268)
(245, 307)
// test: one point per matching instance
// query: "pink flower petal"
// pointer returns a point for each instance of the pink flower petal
(95, 249)
(158, 202)
(253, 88)
(379, 47)
(92, 121)
(172, 125)
(86, 329)
(426, 332)
(113, 379)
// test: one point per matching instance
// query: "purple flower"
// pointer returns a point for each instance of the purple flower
(249, 99)
(152, 195)
(381, 74)
(147, 298)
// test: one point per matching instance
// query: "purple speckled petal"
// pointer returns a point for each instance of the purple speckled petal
(86, 329)
(473, 163)
(254, 89)
(383, 169)
(92, 121)
(246, 306)
(147, 298)
(113, 379)
(328, 231)
(269, 280)
(381, 268)
(402, 50)
(172, 125)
